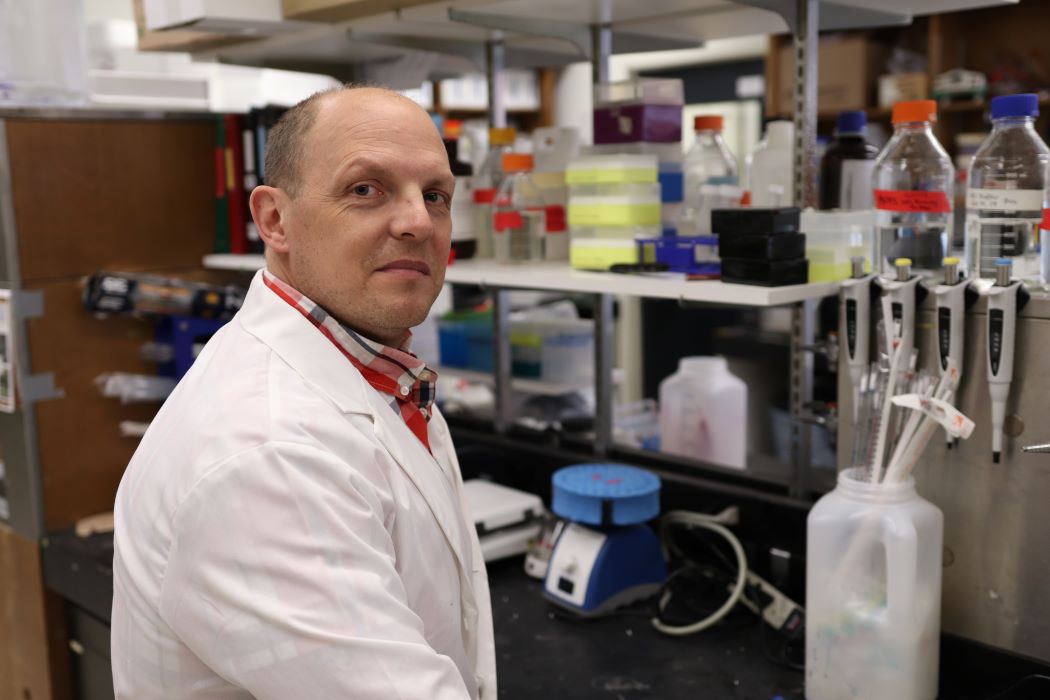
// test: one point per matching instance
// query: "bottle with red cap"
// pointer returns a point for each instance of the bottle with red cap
(708, 164)
(914, 187)
(487, 182)
(519, 222)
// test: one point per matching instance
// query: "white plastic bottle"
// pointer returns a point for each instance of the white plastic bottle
(771, 167)
(703, 413)
(708, 164)
(1006, 194)
(873, 592)
(914, 192)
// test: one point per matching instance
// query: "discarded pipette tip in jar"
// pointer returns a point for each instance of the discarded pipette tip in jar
(1037, 449)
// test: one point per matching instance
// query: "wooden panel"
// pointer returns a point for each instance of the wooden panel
(34, 663)
(82, 456)
(118, 195)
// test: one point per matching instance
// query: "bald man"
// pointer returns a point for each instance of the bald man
(292, 524)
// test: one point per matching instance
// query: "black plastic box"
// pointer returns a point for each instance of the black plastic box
(755, 221)
(787, 246)
(765, 273)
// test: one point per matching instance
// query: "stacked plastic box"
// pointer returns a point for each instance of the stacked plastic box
(761, 246)
(613, 200)
(645, 117)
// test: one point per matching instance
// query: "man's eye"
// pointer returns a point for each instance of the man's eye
(436, 198)
(363, 190)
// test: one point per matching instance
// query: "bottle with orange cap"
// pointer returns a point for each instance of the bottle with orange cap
(708, 165)
(914, 188)
(519, 222)
(487, 182)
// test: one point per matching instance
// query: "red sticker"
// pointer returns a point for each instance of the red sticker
(502, 220)
(1046, 220)
(484, 195)
(912, 201)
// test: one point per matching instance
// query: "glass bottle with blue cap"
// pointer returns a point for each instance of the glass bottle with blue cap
(607, 556)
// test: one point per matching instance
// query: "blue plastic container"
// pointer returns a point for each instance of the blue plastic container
(605, 494)
(693, 255)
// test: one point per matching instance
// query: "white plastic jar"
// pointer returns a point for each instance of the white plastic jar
(703, 412)
(873, 592)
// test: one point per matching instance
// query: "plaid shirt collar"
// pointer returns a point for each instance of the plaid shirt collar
(391, 371)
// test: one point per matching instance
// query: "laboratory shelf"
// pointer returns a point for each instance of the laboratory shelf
(558, 277)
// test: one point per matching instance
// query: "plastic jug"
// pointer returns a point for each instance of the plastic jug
(771, 166)
(873, 592)
(703, 412)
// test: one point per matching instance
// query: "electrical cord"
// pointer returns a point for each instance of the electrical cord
(707, 522)
(1002, 694)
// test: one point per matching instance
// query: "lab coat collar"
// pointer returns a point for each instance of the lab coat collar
(296, 341)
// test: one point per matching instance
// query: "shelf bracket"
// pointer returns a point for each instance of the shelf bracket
(576, 34)
(833, 16)
(472, 51)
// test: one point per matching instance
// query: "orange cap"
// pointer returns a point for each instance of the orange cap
(517, 162)
(453, 128)
(915, 111)
(502, 137)
(710, 122)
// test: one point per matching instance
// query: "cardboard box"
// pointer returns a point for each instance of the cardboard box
(902, 87)
(846, 67)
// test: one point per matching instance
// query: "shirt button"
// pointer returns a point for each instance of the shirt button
(424, 412)
(404, 391)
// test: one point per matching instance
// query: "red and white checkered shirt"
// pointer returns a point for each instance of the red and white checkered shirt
(397, 373)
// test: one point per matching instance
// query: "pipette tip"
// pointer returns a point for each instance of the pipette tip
(995, 457)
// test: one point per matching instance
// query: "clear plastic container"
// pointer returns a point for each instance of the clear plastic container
(771, 166)
(833, 239)
(487, 182)
(914, 191)
(1006, 195)
(553, 147)
(873, 592)
(629, 233)
(519, 223)
(703, 412)
(847, 166)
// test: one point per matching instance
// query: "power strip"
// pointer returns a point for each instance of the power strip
(780, 612)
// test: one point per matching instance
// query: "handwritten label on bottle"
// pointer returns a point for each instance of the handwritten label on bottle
(912, 201)
(1046, 220)
(1004, 200)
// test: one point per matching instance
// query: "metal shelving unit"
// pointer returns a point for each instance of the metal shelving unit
(496, 33)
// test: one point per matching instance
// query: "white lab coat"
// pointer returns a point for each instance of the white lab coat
(281, 534)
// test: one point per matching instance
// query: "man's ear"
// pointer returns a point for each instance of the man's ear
(270, 209)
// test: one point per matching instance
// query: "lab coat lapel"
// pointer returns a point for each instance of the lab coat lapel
(426, 473)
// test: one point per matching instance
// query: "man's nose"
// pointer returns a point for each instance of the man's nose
(412, 218)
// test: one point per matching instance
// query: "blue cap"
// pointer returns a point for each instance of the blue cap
(1002, 262)
(1015, 106)
(851, 122)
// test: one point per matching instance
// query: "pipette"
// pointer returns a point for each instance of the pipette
(1005, 298)
(953, 296)
(856, 323)
(899, 297)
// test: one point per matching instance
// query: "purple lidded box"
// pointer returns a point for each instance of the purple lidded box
(638, 110)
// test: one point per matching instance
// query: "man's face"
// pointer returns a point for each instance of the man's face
(370, 228)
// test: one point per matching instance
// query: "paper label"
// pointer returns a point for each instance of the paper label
(1046, 220)
(855, 189)
(912, 201)
(1004, 200)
